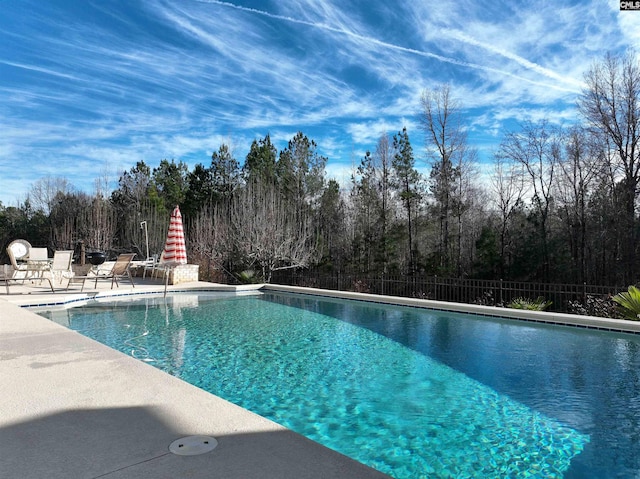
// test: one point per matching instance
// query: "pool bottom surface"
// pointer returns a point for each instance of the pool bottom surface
(379, 400)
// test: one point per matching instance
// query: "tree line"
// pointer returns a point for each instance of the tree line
(555, 204)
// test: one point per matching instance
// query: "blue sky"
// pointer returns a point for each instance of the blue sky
(90, 87)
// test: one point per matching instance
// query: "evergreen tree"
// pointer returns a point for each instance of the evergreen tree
(300, 171)
(332, 225)
(260, 164)
(373, 209)
(200, 190)
(169, 181)
(225, 173)
(407, 181)
(365, 201)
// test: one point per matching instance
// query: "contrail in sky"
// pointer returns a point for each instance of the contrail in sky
(38, 69)
(458, 35)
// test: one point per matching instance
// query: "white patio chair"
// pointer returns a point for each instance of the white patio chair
(26, 271)
(18, 250)
(6, 275)
(38, 262)
(37, 254)
(150, 264)
(61, 265)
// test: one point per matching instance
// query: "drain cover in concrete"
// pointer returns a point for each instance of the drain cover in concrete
(193, 445)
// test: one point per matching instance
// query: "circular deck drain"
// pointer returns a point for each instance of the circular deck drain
(193, 445)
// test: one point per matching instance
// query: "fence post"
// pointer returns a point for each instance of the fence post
(501, 300)
(435, 287)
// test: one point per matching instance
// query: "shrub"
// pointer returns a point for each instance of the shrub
(360, 286)
(539, 304)
(600, 306)
(487, 299)
(629, 303)
(248, 277)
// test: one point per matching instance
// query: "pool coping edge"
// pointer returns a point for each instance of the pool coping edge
(564, 319)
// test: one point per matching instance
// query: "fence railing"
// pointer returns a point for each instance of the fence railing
(462, 290)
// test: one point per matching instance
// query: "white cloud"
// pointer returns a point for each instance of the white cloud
(178, 78)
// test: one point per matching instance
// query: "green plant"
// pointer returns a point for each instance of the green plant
(539, 304)
(629, 303)
(248, 277)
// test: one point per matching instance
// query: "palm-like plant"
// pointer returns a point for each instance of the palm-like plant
(248, 277)
(629, 303)
(538, 304)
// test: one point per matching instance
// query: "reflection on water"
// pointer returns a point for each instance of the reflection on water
(407, 391)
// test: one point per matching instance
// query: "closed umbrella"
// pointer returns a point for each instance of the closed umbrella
(175, 250)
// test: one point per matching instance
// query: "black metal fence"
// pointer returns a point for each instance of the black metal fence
(488, 292)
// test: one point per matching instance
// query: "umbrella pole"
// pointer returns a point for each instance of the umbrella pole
(166, 281)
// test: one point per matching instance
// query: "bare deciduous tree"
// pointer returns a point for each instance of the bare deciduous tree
(611, 105)
(267, 232)
(382, 159)
(210, 238)
(537, 147)
(44, 191)
(101, 221)
(508, 187)
(578, 169)
(447, 146)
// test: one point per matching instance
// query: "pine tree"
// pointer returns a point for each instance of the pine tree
(407, 180)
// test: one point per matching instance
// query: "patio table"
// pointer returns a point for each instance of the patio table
(39, 266)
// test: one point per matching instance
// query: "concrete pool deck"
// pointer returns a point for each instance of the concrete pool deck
(73, 408)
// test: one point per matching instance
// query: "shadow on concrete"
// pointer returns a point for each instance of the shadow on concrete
(133, 442)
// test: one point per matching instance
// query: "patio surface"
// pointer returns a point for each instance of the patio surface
(74, 408)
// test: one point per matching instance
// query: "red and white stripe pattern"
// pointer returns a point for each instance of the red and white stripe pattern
(175, 250)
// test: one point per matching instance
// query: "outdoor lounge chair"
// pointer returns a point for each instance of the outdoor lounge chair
(61, 265)
(23, 272)
(38, 262)
(37, 254)
(6, 275)
(119, 269)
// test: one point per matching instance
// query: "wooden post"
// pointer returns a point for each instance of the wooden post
(82, 253)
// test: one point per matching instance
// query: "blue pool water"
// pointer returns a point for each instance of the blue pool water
(413, 393)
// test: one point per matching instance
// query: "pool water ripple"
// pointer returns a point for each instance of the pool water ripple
(351, 388)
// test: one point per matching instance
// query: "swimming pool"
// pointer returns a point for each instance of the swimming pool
(411, 392)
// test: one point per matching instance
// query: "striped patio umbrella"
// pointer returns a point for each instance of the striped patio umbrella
(175, 250)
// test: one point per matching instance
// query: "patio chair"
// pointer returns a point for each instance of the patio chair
(18, 250)
(119, 269)
(38, 262)
(61, 265)
(150, 264)
(6, 275)
(37, 254)
(23, 272)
